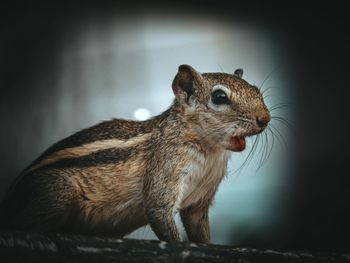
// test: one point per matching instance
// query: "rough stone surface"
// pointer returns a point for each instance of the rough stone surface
(33, 247)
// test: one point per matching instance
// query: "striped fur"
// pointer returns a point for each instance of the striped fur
(89, 149)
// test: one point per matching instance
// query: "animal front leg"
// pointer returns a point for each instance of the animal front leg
(160, 200)
(196, 222)
(163, 224)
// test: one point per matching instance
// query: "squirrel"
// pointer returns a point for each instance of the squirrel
(119, 175)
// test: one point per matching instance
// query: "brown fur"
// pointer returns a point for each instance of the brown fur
(119, 175)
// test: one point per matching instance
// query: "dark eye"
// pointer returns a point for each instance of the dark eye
(220, 97)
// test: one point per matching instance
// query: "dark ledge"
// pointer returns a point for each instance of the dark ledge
(29, 247)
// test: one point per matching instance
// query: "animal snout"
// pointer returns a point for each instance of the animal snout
(262, 121)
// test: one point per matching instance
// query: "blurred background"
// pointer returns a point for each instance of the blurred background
(65, 67)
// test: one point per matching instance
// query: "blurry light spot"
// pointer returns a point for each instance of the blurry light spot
(142, 114)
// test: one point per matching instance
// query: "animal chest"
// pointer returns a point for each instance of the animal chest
(201, 178)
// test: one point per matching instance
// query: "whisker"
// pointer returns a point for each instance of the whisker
(262, 145)
(279, 105)
(222, 70)
(258, 145)
(264, 151)
(268, 76)
(255, 148)
(267, 96)
(267, 89)
(272, 146)
(249, 156)
(277, 108)
(287, 123)
(261, 150)
(274, 135)
(268, 150)
(279, 136)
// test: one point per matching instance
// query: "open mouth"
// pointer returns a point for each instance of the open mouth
(237, 143)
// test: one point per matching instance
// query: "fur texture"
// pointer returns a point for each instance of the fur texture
(119, 175)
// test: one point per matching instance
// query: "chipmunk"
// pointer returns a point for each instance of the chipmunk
(119, 175)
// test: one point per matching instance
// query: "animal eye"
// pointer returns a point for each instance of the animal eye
(220, 97)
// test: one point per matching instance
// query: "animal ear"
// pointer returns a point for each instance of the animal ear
(239, 72)
(185, 82)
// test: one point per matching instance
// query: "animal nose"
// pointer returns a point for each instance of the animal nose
(262, 121)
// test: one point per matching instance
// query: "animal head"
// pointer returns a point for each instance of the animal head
(223, 109)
